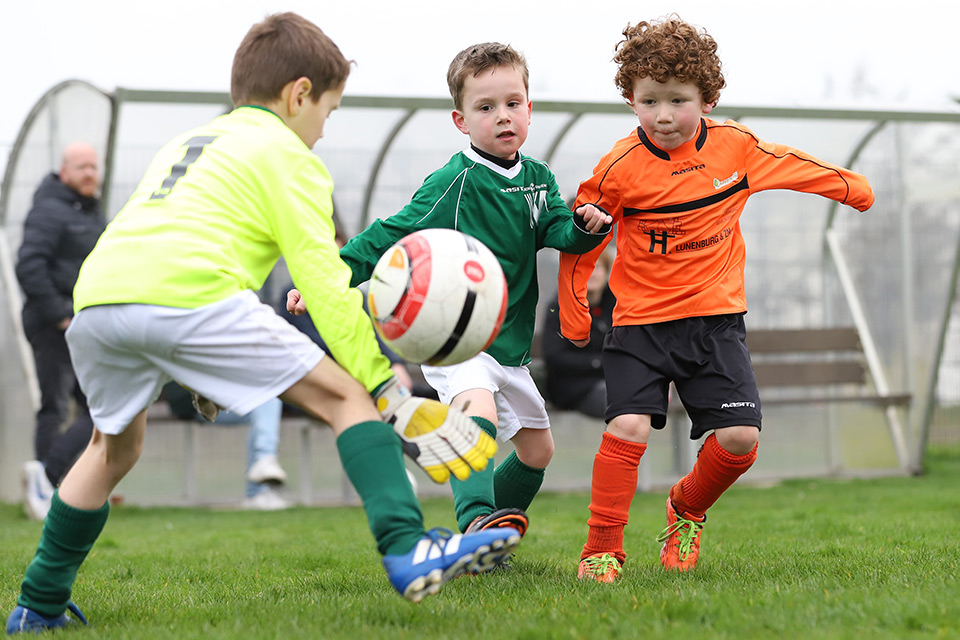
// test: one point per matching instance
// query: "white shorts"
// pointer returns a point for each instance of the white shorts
(519, 403)
(237, 352)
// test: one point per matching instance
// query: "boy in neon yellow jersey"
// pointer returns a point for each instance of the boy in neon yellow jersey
(168, 293)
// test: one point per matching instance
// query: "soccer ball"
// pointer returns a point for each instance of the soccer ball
(437, 297)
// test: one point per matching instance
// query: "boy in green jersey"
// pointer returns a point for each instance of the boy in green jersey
(168, 293)
(512, 204)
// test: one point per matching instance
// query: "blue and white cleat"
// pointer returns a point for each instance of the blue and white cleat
(24, 620)
(37, 490)
(442, 555)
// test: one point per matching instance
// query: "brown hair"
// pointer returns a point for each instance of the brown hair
(476, 59)
(281, 49)
(668, 48)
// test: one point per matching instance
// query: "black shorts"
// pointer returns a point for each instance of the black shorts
(705, 357)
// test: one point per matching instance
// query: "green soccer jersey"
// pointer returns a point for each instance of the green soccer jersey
(214, 212)
(515, 212)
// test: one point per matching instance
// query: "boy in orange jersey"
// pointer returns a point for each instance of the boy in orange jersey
(676, 187)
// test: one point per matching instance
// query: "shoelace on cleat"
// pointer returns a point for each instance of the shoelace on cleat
(687, 531)
(438, 534)
(600, 565)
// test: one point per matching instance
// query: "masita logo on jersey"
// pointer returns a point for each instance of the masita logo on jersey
(536, 197)
(680, 172)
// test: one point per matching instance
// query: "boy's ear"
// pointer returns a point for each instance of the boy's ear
(459, 122)
(299, 94)
(708, 107)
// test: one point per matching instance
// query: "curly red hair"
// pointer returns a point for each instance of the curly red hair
(668, 48)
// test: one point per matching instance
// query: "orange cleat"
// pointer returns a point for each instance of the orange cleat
(512, 518)
(603, 567)
(681, 540)
(499, 519)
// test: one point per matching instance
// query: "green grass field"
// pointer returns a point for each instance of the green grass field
(804, 559)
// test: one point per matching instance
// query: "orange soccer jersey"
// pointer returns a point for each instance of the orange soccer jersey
(680, 252)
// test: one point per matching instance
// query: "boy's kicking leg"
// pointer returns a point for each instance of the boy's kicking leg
(417, 562)
(726, 455)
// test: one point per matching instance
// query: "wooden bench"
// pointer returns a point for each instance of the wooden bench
(818, 365)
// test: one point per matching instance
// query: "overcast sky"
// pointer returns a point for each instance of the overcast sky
(883, 54)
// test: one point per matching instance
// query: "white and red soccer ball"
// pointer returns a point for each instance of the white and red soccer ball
(438, 297)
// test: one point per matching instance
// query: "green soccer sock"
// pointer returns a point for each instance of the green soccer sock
(515, 484)
(68, 535)
(474, 496)
(372, 457)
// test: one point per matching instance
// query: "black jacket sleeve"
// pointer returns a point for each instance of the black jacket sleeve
(49, 292)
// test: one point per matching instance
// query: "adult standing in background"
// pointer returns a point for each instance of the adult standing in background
(61, 228)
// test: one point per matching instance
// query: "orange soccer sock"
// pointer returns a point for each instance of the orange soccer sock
(713, 473)
(613, 486)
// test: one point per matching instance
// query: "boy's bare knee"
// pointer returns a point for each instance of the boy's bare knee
(534, 447)
(479, 403)
(630, 427)
(738, 440)
(537, 458)
(119, 453)
(121, 457)
(120, 464)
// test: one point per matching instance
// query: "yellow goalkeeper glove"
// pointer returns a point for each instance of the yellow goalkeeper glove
(442, 440)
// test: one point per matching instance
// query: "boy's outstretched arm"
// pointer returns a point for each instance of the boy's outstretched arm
(777, 166)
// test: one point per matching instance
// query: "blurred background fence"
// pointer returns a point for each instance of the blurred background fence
(892, 272)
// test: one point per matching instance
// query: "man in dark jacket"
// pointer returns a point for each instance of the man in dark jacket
(59, 231)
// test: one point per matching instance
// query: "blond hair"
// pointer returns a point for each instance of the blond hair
(476, 59)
